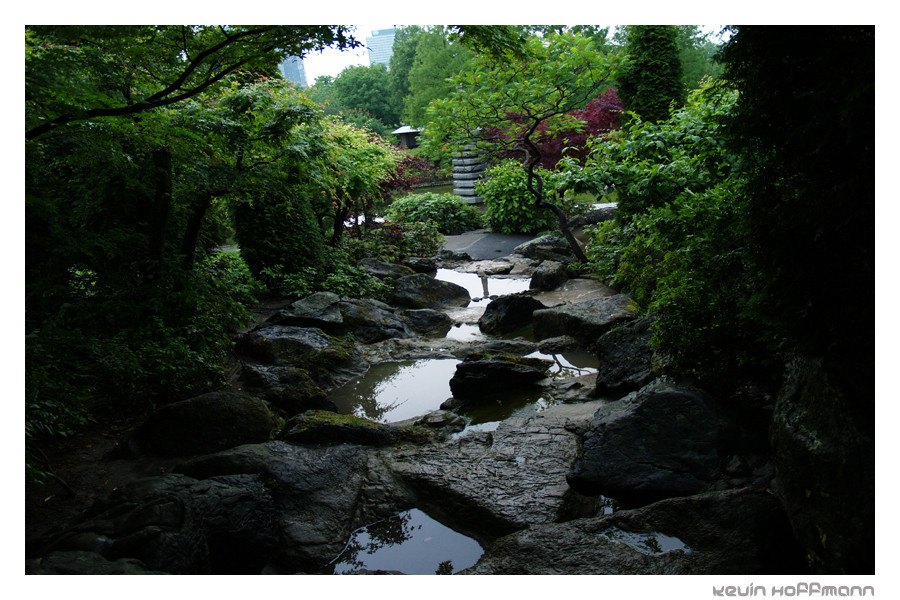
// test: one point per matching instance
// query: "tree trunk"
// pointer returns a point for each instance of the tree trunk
(162, 202)
(532, 158)
(192, 232)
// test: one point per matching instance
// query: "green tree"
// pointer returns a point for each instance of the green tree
(437, 59)
(697, 53)
(650, 81)
(137, 138)
(367, 89)
(406, 41)
(76, 73)
(502, 101)
(805, 124)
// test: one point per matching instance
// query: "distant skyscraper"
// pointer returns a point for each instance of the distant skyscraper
(381, 46)
(292, 69)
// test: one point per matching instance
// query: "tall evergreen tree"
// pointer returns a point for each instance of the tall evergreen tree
(651, 80)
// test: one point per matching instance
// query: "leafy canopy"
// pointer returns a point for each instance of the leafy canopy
(501, 101)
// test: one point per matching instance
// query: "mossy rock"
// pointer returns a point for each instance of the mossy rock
(326, 427)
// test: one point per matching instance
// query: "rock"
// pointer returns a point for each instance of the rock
(825, 465)
(584, 321)
(316, 489)
(482, 375)
(206, 423)
(714, 533)
(316, 310)
(498, 482)
(422, 291)
(330, 361)
(558, 345)
(323, 427)
(286, 345)
(660, 442)
(508, 313)
(454, 256)
(384, 270)
(174, 524)
(291, 390)
(625, 358)
(488, 267)
(420, 264)
(372, 321)
(426, 321)
(79, 562)
(546, 247)
(442, 419)
(598, 215)
(549, 275)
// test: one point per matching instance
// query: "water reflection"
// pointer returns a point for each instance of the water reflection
(482, 286)
(652, 543)
(487, 415)
(410, 542)
(395, 391)
(574, 363)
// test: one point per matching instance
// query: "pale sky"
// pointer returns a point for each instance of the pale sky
(331, 61)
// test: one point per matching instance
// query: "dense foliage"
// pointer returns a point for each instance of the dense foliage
(805, 122)
(502, 101)
(146, 147)
(509, 205)
(650, 81)
(448, 211)
(367, 89)
(735, 212)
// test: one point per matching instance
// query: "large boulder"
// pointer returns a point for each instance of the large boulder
(206, 423)
(372, 321)
(384, 270)
(549, 275)
(483, 375)
(422, 291)
(508, 313)
(584, 321)
(317, 490)
(625, 359)
(497, 482)
(714, 533)
(420, 264)
(316, 310)
(329, 360)
(426, 321)
(825, 465)
(546, 247)
(173, 524)
(290, 390)
(597, 215)
(660, 442)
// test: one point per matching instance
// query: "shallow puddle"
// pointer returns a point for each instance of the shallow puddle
(397, 390)
(490, 412)
(410, 542)
(652, 543)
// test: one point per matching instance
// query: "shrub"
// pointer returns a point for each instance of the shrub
(392, 242)
(279, 238)
(509, 206)
(451, 215)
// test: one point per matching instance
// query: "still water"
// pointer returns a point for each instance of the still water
(482, 287)
(397, 390)
(410, 542)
